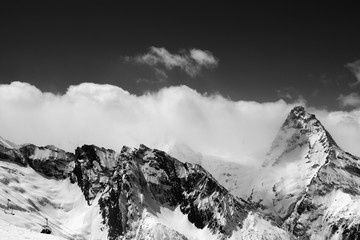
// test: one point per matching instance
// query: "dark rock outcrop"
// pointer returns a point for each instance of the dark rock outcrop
(49, 160)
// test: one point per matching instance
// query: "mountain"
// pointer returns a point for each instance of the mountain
(308, 184)
(142, 193)
(299, 150)
(306, 188)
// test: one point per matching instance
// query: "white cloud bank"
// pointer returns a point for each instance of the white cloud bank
(191, 61)
(108, 116)
(351, 100)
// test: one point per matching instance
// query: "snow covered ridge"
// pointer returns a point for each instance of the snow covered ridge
(49, 160)
(134, 194)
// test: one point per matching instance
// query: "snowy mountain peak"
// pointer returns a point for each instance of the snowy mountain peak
(303, 132)
(298, 111)
(298, 118)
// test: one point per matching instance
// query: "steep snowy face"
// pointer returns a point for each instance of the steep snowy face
(301, 134)
(49, 160)
(330, 208)
(143, 180)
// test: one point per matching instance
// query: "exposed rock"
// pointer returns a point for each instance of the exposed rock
(49, 160)
(146, 178)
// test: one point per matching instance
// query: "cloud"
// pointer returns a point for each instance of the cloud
(350, 100)
(160, 77)
(204, 58)
(108, 116)
(191, 61)
(354, 67)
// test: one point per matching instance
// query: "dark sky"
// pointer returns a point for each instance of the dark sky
(264, 51)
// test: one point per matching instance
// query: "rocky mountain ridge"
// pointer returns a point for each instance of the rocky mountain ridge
(146, 178)
(134, 187)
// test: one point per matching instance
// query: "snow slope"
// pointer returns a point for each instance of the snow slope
(330, 207)
(34, 198)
